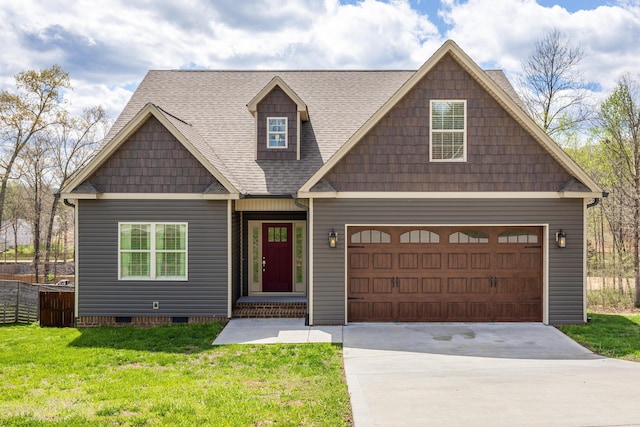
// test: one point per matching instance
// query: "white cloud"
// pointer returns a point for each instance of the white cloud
(504, 33)
(108, 45)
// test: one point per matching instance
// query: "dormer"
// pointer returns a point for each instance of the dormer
(278, 112)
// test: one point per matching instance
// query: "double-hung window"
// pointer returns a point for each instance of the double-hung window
(448, 131)
(277, 132)
(152, 251)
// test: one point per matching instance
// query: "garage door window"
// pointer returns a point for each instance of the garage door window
(468, 236)
(370, 236)
(419, 236)
(517, 236)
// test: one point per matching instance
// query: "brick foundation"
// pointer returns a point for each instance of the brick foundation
(91, 321)
(270, 309)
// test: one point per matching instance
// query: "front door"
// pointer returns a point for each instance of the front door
(277, 257)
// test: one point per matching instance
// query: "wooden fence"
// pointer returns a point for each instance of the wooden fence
(27, 303)
(19, 302)
(56, 308)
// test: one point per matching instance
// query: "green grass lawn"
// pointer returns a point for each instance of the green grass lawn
(167, 375)
(612, 335)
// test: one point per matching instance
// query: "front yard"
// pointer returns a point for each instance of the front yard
(612, 335)
(169, 375)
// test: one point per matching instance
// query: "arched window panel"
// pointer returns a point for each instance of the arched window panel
(370, 236)
(518, 236)
(419, 236)
(468, 236)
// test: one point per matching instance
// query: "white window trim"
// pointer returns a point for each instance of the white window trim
(464, 132)
(286, 133)
(153, 251)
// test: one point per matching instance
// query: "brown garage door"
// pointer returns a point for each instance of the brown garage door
(461, 274)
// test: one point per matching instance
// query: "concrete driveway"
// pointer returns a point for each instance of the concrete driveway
(477, 374)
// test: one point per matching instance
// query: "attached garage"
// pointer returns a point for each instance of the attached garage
(444, 273)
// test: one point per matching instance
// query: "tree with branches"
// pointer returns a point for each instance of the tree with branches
(619, 125)
(24, 113)
(553, 86)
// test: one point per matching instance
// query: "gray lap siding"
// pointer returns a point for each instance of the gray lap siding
(100, 293)
(565, 267)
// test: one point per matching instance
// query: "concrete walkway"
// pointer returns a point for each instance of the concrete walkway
(465, 374)
(270, 331)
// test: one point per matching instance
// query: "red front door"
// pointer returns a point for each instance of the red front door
(277, 257)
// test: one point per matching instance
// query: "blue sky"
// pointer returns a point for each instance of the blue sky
(108, 45)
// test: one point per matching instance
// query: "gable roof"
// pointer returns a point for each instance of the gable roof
(277, 81)
(207, 111)
(183, 132)
(214, 104)
(483, 78)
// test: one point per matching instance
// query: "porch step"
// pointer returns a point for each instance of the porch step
(269, 309)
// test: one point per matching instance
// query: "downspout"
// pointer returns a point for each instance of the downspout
(296, 201)
(597, 200)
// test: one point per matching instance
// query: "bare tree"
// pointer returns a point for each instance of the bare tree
(620, 128)
(553, 86)
(26, 112)
(73, 142)
(35, 167)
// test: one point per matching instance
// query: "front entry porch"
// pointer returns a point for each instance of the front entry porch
(273, 267)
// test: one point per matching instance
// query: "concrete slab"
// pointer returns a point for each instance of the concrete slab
(483, 375)
(270, 331)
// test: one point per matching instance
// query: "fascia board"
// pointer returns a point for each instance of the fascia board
(79, 196)
(448, 195)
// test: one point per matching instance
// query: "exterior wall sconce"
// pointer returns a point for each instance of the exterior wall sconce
(561, 239)
(333, 238)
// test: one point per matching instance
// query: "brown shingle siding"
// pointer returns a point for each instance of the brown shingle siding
(277, 104)
(501, 155)
(152, 160)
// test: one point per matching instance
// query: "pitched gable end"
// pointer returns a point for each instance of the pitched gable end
(278, 113)
(151, 155)
(415, 123)
(278, 82)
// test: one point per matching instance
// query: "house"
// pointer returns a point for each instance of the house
(349, 196)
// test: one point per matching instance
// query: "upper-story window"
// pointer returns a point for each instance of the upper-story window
(277, 132)
(448, 131)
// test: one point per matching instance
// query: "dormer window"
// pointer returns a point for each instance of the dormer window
(278, 111)
(277, 132)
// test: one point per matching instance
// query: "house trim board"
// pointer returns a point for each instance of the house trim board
(310, 263)
(449, 195)
(150, 196)
(76, 245)
(229, 258)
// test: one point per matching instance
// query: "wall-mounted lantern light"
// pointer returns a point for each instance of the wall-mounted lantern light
(561, 239)
(333, 238)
